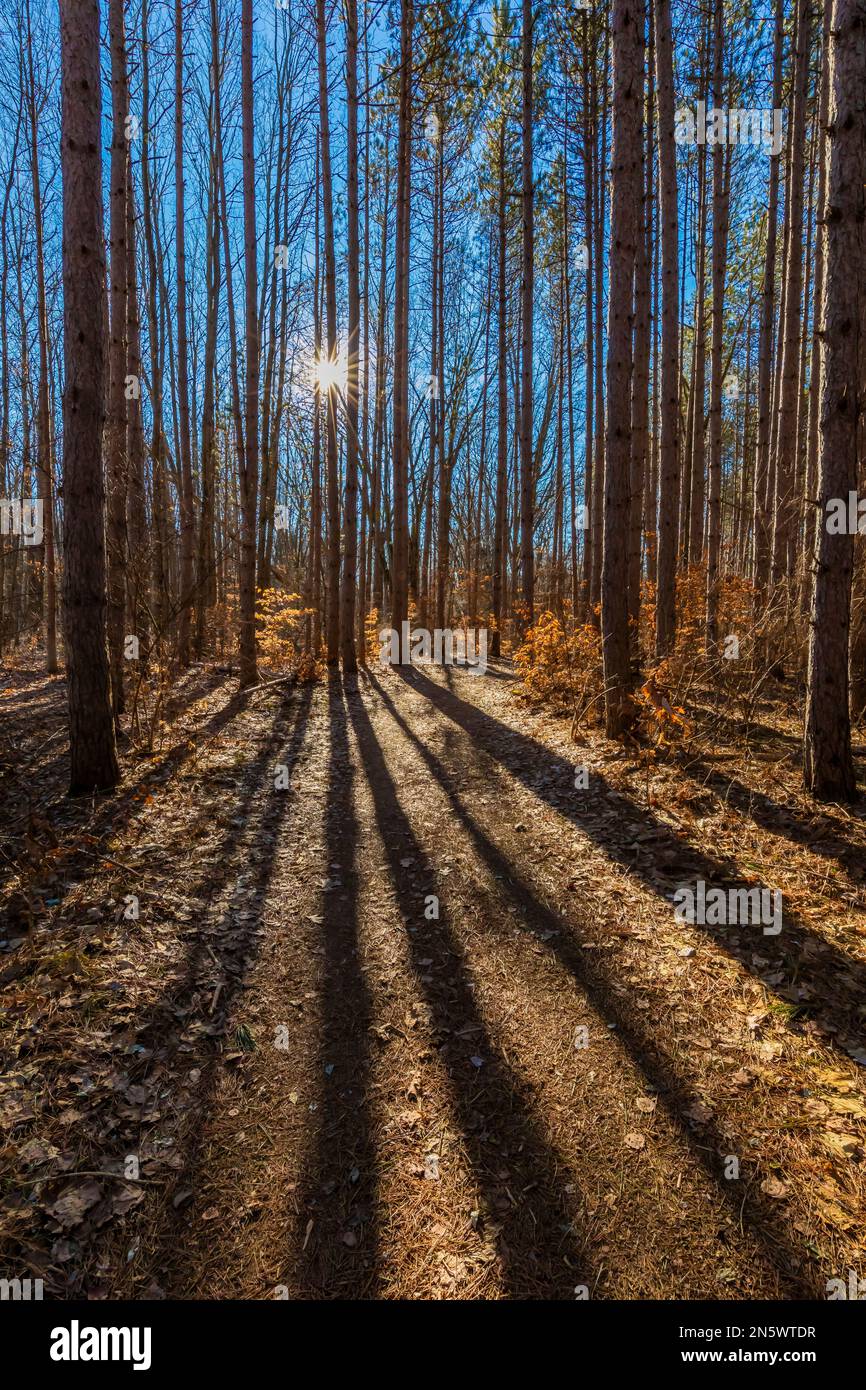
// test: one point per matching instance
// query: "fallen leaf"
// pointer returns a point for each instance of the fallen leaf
(70, 1208)
(773, 1187)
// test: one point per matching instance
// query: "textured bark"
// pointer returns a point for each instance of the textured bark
(765, 339)
(93, 757)
(400, 443)
(827, 764)
(116, 423)
(137, 560)
(721, 177)
(250, 470)
(332, 595)
(158, 447)
(187, 519)
(669, 480)
(527, 481)
(628, 83)
(697, 439)
(350, 506)
(640, 380)
(501, 400)
(44, 466)
(786, 446)
(813, 428)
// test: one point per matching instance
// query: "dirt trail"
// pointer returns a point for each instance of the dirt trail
(475, 1074)
(407, 1012)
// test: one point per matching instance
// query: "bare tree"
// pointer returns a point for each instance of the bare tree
(827, 764)
(250, 469)
(350, 508)
(628, 87)
(670, 395)
(93, 756)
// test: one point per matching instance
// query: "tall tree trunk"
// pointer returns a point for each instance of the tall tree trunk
(640, 377)
(501, 400)
(721, 167)
(827, 764)
(350, 509)
(93, 756)
(786, 448)
(136, 588)
(669, 481)
(187, 519)
(250, 471)
(527, 479)
(332, 620)
(45, 470)
(628, 87)
(697, 441)
(116, 424)
(400, 443)
(765, 334)
(812, 442)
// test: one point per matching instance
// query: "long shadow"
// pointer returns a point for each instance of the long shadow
(121, 808)
(711, 720)
(830, 983)
(338, 1190)
(225, 955)
(519, 1177)
(222, 955)
(781, 820)
(671, 1082)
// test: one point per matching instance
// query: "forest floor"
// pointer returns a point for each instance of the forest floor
(289, 1077)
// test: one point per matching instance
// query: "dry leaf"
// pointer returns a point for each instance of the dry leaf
(774, 1187)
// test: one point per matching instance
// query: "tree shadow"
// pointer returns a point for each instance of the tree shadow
(782, 1255)
(71, 818)
(540, 1253)
(779, 819)
(817, 978)
(339, 1186)
(196, 1006)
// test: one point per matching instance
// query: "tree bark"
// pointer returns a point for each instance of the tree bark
(350, 505)
(628, 85)
(669, 480)
(527, 480)
(93, 756)
(828, 768)
(250, 470)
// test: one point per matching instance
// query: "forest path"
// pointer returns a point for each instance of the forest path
(517, 1098)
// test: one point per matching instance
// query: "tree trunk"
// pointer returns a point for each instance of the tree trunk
(45, 470)
(628, 86)
(350, 506)
(93, 756)
(669, 481)
(250, 471)
(721, 167)
(527, 480)
(786, 448)
(187, 520)
(400, 443)
(827, 764)
(765, 338)
(332, 619)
